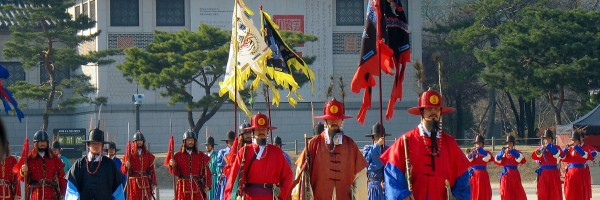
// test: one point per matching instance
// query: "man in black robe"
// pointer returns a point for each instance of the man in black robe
(94, 176)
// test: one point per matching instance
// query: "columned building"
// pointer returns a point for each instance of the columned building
(338, 24)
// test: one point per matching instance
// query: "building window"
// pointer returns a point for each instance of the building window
(77, 11)
(350, 12)
(93, 10)
(60, 74)
(124, 13)
(84, 9)
(170, 13)
(15, 69)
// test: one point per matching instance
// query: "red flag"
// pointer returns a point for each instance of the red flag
(24, 153)
(376, 55)
(170, 151)
(385, 46)
(230, 157)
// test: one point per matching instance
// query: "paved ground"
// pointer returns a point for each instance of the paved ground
(530, 189)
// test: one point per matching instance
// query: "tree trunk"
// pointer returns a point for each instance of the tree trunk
(514, 109)
(459, 118)
(190, 116)
(521, 124)
(492, 114)
(206, 115)
(530, 120)
(51, 80)
(557, 108)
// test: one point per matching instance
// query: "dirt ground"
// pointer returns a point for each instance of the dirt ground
(527, 170)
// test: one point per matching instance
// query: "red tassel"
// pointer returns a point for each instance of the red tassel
(398, 79)
(24, 154)
(230, 157)
(170, 152)
(366, 104)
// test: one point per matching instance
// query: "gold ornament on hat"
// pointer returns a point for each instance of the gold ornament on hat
(434, 99)
(333, 109)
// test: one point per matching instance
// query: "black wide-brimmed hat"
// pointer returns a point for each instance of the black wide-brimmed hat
(210, 141)
(96, 135)
(377, 129)
(278, 141)
(56, 145)
(111, 145)
(230, 136)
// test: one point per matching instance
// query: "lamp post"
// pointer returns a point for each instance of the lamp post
(137, 100)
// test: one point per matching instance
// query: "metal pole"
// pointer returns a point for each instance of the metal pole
(493, 144)
(137, 117)
(296, 147)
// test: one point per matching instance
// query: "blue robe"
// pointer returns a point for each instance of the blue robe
(220, 191)
(214, 168)
(67, 163)
(374, 171)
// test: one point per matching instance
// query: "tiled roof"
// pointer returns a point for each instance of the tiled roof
(8, 16)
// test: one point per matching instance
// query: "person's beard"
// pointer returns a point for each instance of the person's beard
(261, 142)
(45, 150)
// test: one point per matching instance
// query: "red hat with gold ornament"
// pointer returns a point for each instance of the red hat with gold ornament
(430, 99)
(333, 110)
(260, 121)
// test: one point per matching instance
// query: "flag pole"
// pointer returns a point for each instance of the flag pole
(378, 7)
(267, 96)
(235, 77)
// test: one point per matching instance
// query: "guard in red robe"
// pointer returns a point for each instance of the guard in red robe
(190, 166)
(480, 179)
(548, 180)
(45, 173)
(139, 167)
(10, 188)
(336, 166)
(593, 153)
(577, 179)
(260, 169)
(437, 166)
(510, 178)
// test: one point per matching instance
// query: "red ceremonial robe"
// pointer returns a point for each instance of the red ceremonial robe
(46, 176)
(510, 179)
(9, 184)
(450, 164)
(141, 175)
(193, 175)
(548, 181)
(578, 184)
(480, 179)
(268, 169)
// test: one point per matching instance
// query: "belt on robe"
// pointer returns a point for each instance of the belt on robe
(508, 167)
(139, 174)
(576, 165)
(545, 167)
(476, 167)
(259, 185)
(42, 182)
